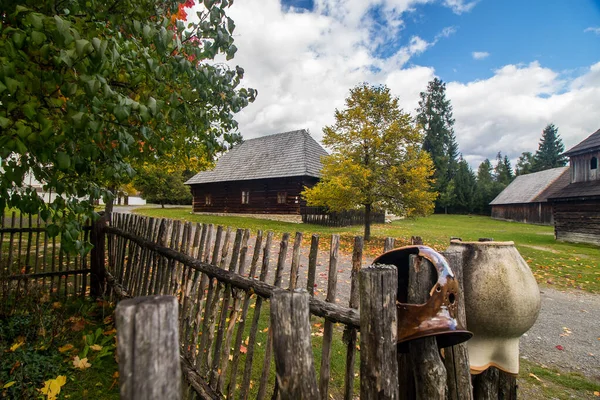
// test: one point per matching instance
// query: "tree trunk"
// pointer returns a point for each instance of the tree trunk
(367, 222)
(108, 207)
(162, 205)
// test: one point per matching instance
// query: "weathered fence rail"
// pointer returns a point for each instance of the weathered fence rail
(321, 216)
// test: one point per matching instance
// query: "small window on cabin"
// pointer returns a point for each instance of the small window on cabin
(281, 197)
(208, 200)
(594, 163)
(245, 196)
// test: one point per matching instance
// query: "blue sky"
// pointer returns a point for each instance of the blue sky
(511, 67)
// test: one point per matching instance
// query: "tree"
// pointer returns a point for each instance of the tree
(465, 184)
(434, 114)
(160, 186)
(524, 164)
(503, 170)
(90, 89)
(377, 160)
(485, 188)
(550, 149)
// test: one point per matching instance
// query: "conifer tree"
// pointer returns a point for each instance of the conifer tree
(485, 191)
(524, 164)
(549, 153)
(465, 184)
(434, 114)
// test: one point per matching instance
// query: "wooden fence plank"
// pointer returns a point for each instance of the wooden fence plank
(429, 370)
(264, 273)
(378, 332)
(148, 346)
(350, 334)
(240, 332)
(290, 322)
(456, 357)
(295, 261)
(262, 388)
(312, 264)
(328, 325)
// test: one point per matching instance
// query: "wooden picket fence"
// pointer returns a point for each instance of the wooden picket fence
(321, 216)
(31, 260)
(223, 282)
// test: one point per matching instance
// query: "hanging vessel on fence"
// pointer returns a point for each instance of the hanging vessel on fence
(436, 317)
(502, 302)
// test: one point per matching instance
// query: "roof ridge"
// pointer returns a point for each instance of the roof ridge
(274, 134)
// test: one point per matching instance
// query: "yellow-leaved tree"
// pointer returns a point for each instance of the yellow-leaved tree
(377, 160)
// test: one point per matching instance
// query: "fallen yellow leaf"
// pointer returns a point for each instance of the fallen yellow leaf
(52, 387)
(534, 376)
(81, 363)
(96, 347)
(65, 348)
(18, 343)
(9, 384)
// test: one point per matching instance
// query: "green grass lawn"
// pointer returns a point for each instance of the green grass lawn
(555, 264)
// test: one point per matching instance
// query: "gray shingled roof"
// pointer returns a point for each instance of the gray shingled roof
(534, 187)
(285, 154)
(579, 190)
(592, 142)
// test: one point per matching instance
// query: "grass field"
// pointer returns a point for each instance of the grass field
(556, 264)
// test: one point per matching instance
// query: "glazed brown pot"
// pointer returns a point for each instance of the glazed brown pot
(502, 302)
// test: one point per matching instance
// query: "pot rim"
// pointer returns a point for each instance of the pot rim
(483, 244)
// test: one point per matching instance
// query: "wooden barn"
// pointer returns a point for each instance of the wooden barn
(576, 207)
(260, 176)
(526, 198)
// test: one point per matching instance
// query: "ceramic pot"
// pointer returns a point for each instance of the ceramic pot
(502, 302)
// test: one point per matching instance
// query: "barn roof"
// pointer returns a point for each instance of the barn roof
(535, 187)
(280, 155)
(592, 142)
(579, 190)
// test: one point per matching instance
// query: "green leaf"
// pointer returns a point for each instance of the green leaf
(11, 84)
(2, 87)
(4, 122)
(36, 20)
(29, 110)
(82, 46)
(122, 113)
(37, 38)
(63, 161)
(152, 105)
(18, 38)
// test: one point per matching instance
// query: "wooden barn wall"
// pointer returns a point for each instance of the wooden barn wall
(580, 168)
(577, 221)
(227, 196)
(530, 213)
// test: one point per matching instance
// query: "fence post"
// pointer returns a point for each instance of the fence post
(429, 370)
(457, 357)
(148, 346)
(97, 261)
(290, 324)
(378, 332)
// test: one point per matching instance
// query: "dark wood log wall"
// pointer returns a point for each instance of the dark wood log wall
(227, 196)
(581, 168)
(531, 213)
(577, 221)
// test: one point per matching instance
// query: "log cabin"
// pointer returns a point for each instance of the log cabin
(264, 175)
(526, 198)
(576, 208)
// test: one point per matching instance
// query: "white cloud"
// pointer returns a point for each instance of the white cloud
(480, 55)
(304, 64)
(460, 6)
(592, 29)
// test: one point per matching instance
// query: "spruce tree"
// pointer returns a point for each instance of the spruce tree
(549, 153)
(485, 192)
(464, 190)
(434, 114)
(524, 164)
